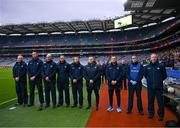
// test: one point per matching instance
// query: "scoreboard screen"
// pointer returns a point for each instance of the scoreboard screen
(124, 21)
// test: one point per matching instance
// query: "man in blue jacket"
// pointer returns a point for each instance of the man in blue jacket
(20, 77)
(49, 77)
(76, 75)
(114, 76)
(135, 75)
(63, 80)
(155, 73)
(35, 79)
(92, 75)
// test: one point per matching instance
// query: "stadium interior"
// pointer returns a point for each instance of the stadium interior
(155, 28)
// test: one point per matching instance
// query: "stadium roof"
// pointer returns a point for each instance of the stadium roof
(149, 11)
(144, 12)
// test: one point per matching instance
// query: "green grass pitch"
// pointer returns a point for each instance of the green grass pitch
(25, 116)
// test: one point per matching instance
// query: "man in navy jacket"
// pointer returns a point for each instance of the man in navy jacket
(114, 76)
(49, 77)
(20, 77)
(76, 75)
(155, 73)
(63, 69)
(92, 75)
(135, 75)
(35, 79)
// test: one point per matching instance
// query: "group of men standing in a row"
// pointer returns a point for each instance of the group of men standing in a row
(114, 73)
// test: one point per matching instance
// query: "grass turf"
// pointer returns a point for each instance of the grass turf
(29, 116)
(7, 87)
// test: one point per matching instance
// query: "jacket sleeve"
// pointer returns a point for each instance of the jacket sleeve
(140, 74)
(68, 68)
(57, 68)
(70, 73)
(53, 73)
(81, 75)
(98, 74)
(39, 68)
(164, 73)
(13, 70)
(121, 72)
(108, 75)
(85, 74)
(28, 69)
(145, 72)
(24, 71)
(128, 72)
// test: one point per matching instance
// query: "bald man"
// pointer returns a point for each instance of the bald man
(63, 81)
(92, 75)
(76, 75)
(155, 73)
(49, 77)
(20, 77)
(114, 76)
(35, 79)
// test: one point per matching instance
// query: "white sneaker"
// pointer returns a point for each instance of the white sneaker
(119, 109)
(110, 109)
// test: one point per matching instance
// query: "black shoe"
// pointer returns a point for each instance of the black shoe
(160, 118)
(67, 106)
(97, 108)
(150, 116)
(59, 105)
(40, 109)
(88, 107)
(141, 113)
(128, 112)
(30, 105)
(74, 106)
(80, 106)
(54, 106)
(46, 106)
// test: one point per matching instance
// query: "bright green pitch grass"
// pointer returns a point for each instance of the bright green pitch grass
(29, 116)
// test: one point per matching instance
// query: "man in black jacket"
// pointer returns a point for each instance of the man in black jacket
(35, 79)
(155, 73)
(76, 75)
(20, 77)
(114, 76)
(49, 77)
(63, 69)
(92, 75)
